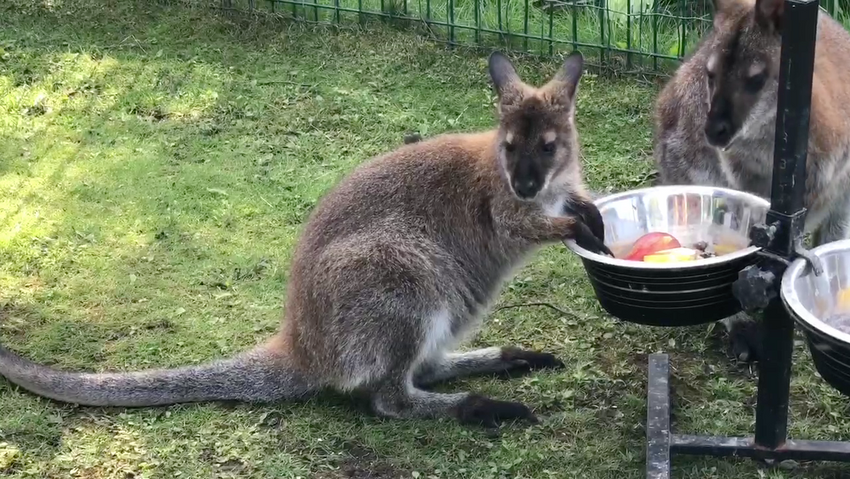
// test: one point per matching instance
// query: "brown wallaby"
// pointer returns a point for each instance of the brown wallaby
(715, 122)
(395, 266)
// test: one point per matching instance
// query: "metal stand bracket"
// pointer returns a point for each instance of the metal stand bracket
(662, 443)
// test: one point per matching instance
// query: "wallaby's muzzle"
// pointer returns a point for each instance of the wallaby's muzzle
(719, 125)
(718, 133)
(526, 181)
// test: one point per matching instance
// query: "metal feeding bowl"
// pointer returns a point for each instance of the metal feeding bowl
(673, 294)
(812, 301)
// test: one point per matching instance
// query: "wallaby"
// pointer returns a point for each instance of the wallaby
(715, 122)
(394, 267)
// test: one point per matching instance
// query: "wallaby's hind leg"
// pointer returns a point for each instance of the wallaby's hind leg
(403, 400)
(481, 362)
(745, 337)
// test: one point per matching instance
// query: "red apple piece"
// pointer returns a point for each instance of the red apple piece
(652, 243)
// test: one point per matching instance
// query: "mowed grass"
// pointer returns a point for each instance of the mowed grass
(156, 166)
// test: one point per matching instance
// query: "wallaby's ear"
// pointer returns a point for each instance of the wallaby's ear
(769, 14)
(570, 74)
(502, 73)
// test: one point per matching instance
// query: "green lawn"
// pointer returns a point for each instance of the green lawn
(156, 165)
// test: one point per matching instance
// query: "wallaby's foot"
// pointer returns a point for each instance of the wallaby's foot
(483, 411)
(745, 338)
(505, 361)
(525, 360)
(410, 402)
(412, 137)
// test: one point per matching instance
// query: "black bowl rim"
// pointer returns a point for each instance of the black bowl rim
(668, 306)
(677, 277)
(666, 313)
(714, 290)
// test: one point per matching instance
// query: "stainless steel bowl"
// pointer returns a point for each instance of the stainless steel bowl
(810, 300)
(687, 293)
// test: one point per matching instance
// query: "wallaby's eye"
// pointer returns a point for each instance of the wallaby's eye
(710, 75)
(755, 83)
(510, 147)
(549, 147)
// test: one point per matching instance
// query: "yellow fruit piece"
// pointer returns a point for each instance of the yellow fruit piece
(721, 249)
(842, 299)
(675, 255)
(667, 258)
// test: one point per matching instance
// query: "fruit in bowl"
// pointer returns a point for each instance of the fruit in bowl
(674, 255)
(660, 247)
(652, 243)
(839, 316)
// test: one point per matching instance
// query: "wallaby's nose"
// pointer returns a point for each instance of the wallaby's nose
(718, 133)
(526, 188)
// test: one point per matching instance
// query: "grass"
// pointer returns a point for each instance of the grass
(156, 166)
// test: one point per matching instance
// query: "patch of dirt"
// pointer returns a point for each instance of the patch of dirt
(641, 362)
(15, 320)
(599, 394)
(362, 463)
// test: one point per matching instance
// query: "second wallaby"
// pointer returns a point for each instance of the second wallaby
(395, 266)
(715, 121)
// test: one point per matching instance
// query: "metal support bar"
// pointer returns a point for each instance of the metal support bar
(774, 382)
(658, 418)
(745, 447)
(662, 443)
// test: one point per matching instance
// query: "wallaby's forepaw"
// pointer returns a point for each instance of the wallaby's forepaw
(589, 214)
(527, 360)
(745, 340)
(587, 240)
(589, 229)
(483, 411)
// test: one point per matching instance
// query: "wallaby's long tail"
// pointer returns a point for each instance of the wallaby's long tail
(259, 375)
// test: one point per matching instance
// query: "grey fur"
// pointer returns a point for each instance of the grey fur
(251, 376)
(396, 265)
(743, 46)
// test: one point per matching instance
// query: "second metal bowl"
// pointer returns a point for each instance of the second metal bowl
(810, 299)
(679, 294)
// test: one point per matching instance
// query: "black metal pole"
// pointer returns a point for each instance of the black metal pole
(796, 65)
(774, 377)
(799, 33)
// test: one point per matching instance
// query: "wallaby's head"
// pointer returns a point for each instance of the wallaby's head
(537, 139)
(742, 67)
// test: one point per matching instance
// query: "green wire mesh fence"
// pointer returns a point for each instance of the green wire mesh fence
(619, 35)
